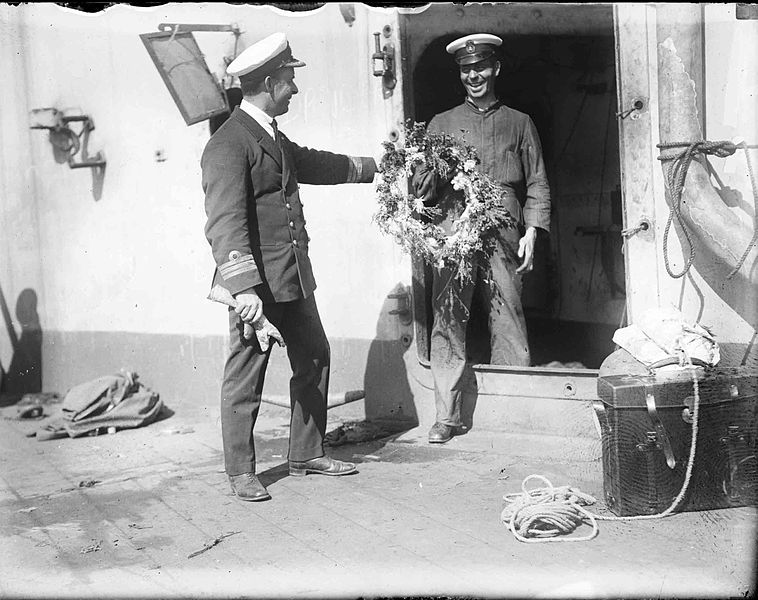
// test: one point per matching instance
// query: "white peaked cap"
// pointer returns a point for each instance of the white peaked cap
(264, 57)
(473, 48)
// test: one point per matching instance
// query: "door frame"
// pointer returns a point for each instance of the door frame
(636, 79)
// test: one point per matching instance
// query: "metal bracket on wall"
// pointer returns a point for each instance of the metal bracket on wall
(404, 310)
(65, 140)
(386, 54)
(634, 111)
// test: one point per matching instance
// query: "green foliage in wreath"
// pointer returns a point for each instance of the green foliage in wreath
(415, 226)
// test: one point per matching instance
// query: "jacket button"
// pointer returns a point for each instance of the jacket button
(292, 224)
(289, 206)
(294, 242)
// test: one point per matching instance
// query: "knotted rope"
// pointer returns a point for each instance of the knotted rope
(676, 174)
(540, 514)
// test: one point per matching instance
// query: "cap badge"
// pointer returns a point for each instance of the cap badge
(470, 47)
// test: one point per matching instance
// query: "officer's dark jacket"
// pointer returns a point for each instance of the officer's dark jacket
(255, 220)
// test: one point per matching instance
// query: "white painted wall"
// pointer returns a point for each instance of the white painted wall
(731, 77)
(731, 101)
(132, 257)
(19, 232)
(730, 81)
(135, 258)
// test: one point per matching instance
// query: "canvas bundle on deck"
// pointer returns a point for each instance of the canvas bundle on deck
(646, 423)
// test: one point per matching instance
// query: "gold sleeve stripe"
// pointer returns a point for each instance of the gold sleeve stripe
(237, 266)
(238, 271)
(355, 169)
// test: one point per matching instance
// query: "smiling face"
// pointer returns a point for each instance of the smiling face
(282, 89)
(479, 80)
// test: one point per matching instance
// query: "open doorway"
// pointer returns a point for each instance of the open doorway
(558, 66)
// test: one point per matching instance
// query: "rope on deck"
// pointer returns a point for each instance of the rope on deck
(540, 514)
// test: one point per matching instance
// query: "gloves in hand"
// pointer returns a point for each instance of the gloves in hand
(264, 330)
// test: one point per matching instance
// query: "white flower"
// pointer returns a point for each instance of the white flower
(413, 159)
(460, 181)
(398, 210)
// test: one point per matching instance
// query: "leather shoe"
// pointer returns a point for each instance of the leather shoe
(321, 466)
(441, 433)
(247, 487)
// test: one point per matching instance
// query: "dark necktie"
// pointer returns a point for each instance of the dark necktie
(276, 132)
(278, 143)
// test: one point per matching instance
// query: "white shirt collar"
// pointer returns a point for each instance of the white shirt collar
(261, 117)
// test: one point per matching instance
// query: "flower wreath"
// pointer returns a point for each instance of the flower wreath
(410, 221)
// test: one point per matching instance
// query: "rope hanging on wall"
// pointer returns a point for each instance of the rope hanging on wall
(676, 175)
(754, 239)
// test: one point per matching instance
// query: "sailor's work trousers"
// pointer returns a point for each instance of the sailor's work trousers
(500, 287)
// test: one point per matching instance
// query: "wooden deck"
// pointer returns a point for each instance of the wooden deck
(119, 515)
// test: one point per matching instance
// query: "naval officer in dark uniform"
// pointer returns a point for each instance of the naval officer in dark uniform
(257, 234)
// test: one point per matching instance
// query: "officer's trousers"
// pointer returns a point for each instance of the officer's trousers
(500, 287)
(244, 373)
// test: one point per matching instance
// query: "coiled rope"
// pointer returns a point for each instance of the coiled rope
(676, 174)
(541, 514)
